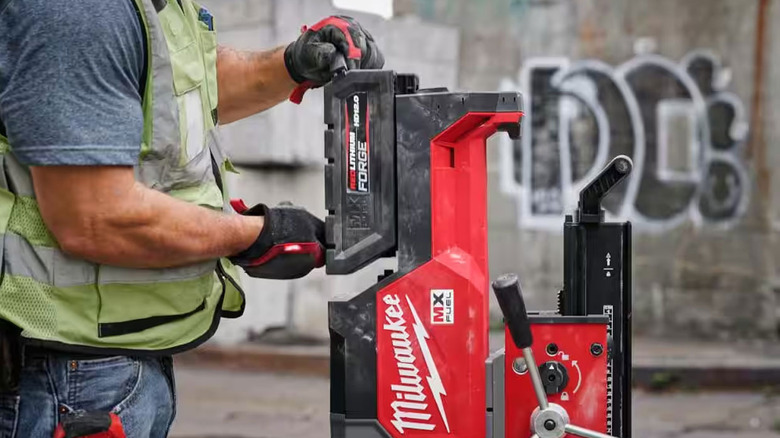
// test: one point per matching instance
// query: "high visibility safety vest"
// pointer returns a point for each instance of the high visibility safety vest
(63, 302)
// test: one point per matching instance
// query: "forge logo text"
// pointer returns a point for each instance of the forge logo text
(357, 141)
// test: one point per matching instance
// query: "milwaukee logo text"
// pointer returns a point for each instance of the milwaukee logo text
(410, 406)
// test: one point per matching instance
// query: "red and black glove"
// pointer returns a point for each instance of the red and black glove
(310, 57)
(289, 246)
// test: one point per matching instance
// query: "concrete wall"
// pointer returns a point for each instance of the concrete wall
(705, 201)
(707, 257)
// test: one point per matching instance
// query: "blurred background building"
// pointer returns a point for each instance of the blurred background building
(687, 89)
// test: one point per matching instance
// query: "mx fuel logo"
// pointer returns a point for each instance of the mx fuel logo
(442, 306)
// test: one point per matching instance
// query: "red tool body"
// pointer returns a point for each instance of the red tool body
(406, 177)
(584, 397)
(454, 398)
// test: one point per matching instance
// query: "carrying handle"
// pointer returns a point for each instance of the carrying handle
(338, 68)
(338, 65)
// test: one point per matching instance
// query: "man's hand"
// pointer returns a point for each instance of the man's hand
(308, 59)
(251, 82)
(290, 245)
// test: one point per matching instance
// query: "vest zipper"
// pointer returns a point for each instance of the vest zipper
(223, 275)
(220, 269)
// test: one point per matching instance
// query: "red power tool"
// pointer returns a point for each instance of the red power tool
(406, 177)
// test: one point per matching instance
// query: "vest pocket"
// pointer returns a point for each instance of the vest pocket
(106, 329)
(187, 69)
(183, 49)
(135, 300)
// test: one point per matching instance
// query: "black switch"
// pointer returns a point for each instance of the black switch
(555, 377)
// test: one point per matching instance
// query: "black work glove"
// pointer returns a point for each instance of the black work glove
(309, 58)
(289, 246)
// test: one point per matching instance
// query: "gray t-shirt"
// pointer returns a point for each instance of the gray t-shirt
(71, 72)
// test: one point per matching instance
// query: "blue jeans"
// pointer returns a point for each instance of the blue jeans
(140, 391)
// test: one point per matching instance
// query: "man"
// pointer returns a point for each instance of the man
(115, 242)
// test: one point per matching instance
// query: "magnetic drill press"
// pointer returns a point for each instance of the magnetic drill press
(406, 178)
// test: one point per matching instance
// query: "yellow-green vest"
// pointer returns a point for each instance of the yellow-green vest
(68, 303)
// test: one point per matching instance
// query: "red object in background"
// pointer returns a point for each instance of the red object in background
(585, 395)
(419, 390)
(90, 425)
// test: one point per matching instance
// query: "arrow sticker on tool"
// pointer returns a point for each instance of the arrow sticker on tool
(608, 270)
(579, 372)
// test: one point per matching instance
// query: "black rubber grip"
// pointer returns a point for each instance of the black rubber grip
(510, 299)
(615, 172)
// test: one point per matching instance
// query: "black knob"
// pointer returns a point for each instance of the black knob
(510, 300)
(554, 376)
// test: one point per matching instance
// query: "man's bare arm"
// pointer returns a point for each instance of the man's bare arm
(250, 82)
(101, 214)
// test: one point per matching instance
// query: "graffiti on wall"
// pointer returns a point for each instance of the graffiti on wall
(678, 122)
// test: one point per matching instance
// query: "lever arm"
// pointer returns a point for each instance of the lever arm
(584, 433)
(510, 299)
(590, 197)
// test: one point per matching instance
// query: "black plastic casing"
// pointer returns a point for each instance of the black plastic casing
(360, 227)
(589, 291)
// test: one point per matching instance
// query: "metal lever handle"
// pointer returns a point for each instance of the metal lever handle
(584, 433)
(510, 299)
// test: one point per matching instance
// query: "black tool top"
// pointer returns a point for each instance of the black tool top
(590, 197)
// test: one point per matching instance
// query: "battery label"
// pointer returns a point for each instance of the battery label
(357, 142)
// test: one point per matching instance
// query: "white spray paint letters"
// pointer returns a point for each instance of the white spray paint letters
(683, 131)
